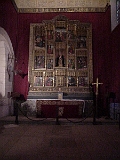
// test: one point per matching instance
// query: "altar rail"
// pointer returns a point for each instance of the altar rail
(61, 108)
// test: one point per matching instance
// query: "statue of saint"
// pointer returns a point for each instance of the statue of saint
(60, 61)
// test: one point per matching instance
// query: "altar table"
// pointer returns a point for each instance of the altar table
(64, 108)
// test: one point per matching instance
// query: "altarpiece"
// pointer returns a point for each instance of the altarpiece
(60, 58)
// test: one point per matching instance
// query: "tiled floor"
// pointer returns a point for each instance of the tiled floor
(44, 140)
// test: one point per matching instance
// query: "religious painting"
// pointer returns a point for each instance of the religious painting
(71, 34)
(38, 81)
(50, 49)
(60, 36)
(81, 42)
(48, 81)
(50, 63)
(71, 49)
(39, 41)
(72, 81)
(40, 36)
(39, 62)
(50, 34)
(71, 63)
(82, 81)
(81, 62)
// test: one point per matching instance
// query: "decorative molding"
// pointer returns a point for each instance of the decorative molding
(40, 6)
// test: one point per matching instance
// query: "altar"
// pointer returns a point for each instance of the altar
(60, 61)
(64, 108)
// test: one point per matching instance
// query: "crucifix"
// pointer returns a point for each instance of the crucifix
(96, 100)
(97, 83)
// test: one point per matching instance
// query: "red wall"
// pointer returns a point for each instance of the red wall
(18, 28)
(8, 20)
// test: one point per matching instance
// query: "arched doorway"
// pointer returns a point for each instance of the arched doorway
(6, 73)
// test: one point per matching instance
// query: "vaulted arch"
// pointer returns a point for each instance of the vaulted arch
(6, 72)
